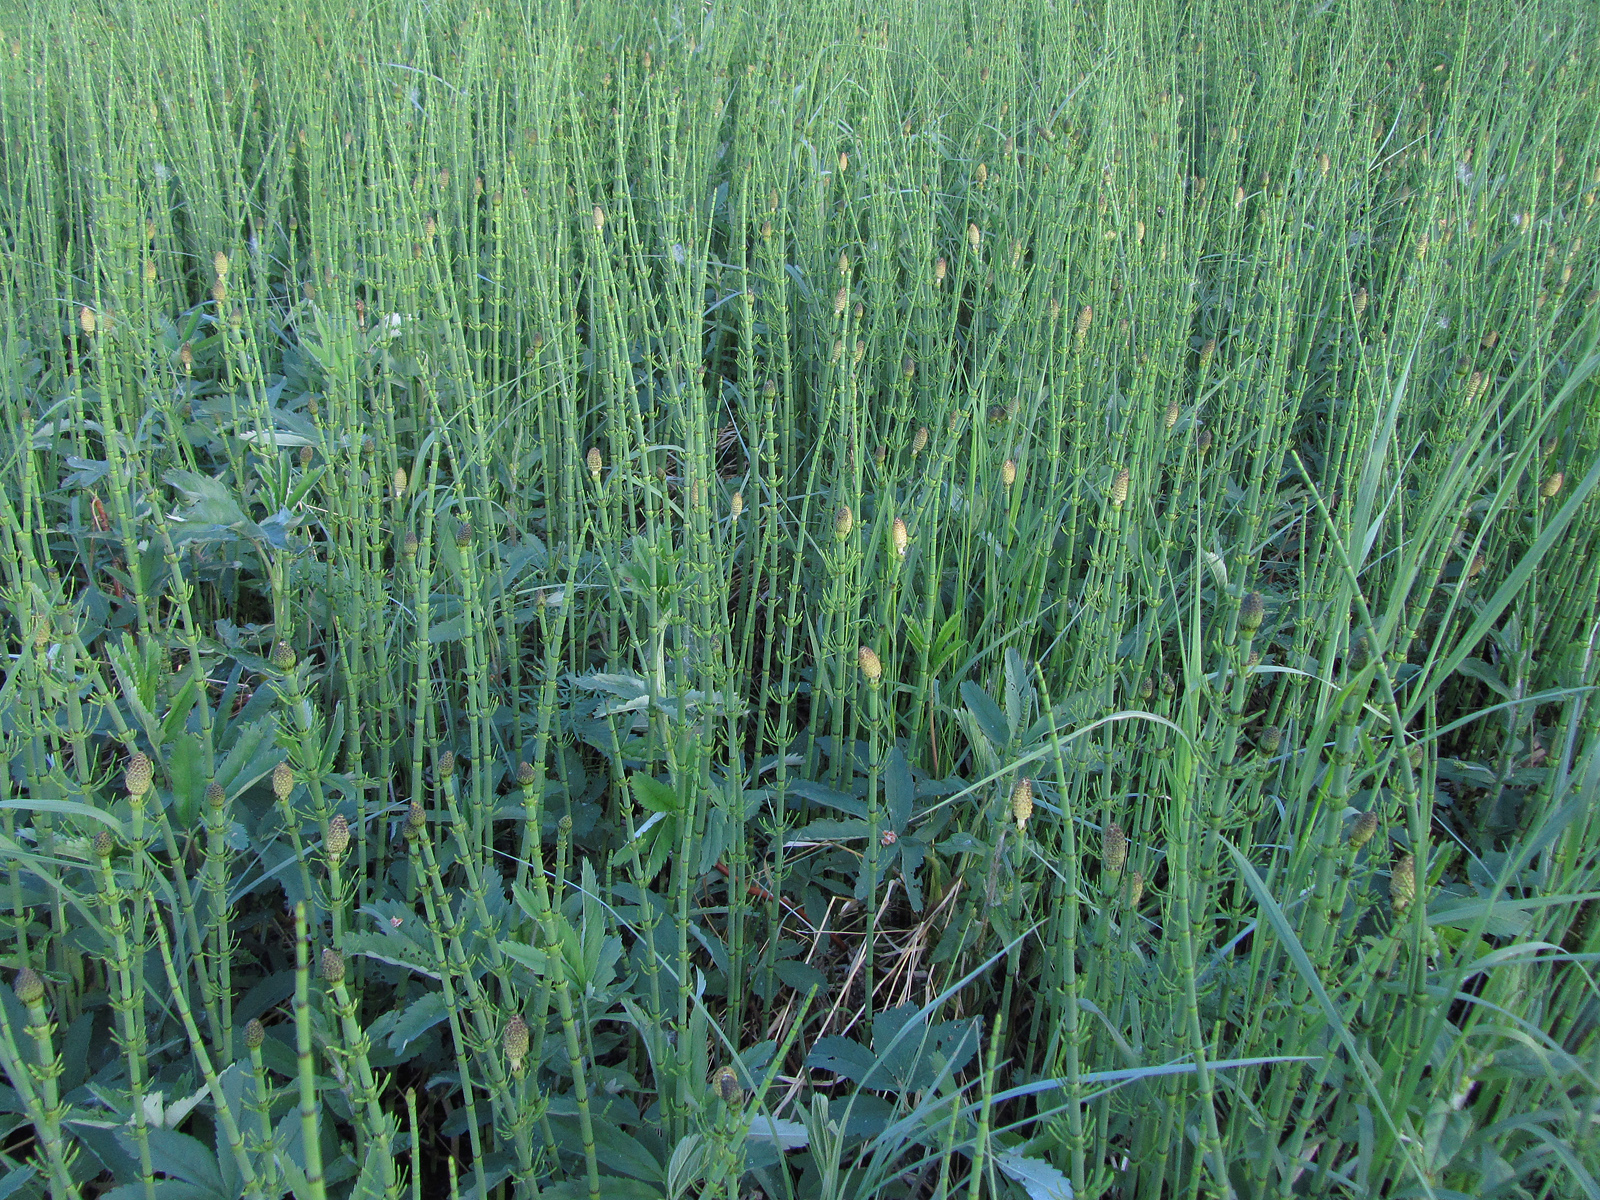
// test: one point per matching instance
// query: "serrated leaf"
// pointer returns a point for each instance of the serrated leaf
(918, 639)
(391, 947)
(528, 956)
(370, 1184)
(420, 1016)
(1019, 692)
(622, 1152)
(626, 685)
(174, 1153)
(654, 795)
(757, 1057)
(174, 1114)
(910, 1055)
(185, 769)
(947, 643)
(86, 472)
(827, 829)
(449, 630)
(253, 754)
(210, 501)
(1038, 1178)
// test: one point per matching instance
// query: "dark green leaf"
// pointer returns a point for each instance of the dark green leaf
(1038, 1178)
(1476, 668)
(655, 795)
(829, 830)
(824, 795)
(186, 770)
(963, 843)
(419, 1017)
(252, 756)
(621, 1152)
(899, 789)
(210, 501)
(14, 1180)
(165, 1189)
(912, 852)
(528, 956)
(178, 1154)
(843, 1057)
(991, 721)
(802, 977)
(787, 1135)
(611, 1187)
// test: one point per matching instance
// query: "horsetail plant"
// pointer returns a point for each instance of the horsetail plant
(537, 542)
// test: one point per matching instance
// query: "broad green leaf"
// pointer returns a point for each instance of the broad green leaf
(912, 851)
(786, 1135)
(811, 790)
(449, 630)
(1476, 668)
(991, 721)
(529, 956)
(173, 724)
(178, 1154)
(826, 829)
(17, 1178)
(209, 501)
(687, 1165)
(251, 757)
(843, 1057)
(66, 808)
(911, 1056)
(185, 769)
(753, 1060)
(393, 936)
(165, 1189)
(420, 1016)
(158, 1112)
(1038, 1178)
(234, 1081)
(961, 842)
(798, 975)
(899, 789)
(654, 795)
(621, 1152)
(1503, 916)
(1018, 690)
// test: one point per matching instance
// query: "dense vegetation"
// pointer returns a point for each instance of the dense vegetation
(809, 600)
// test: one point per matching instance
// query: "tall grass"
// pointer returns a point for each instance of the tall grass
(811, 601)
